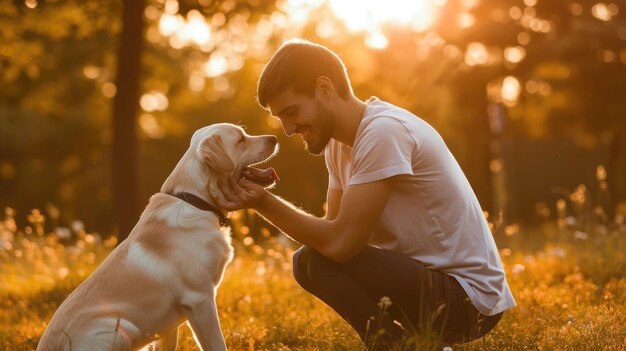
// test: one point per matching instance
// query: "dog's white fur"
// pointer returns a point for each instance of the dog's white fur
(168, 269)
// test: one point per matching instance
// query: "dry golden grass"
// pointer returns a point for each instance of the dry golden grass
(568, 278)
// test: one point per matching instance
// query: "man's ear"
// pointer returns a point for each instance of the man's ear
(325, 86)
(212, 153)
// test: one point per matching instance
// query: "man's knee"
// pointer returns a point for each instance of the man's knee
(300, 265)
(310, 265)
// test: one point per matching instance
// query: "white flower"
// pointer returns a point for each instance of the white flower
(63, 232)
(518, 268)
(580, 235)
(384, 303)
(559, 252)
(77, 226)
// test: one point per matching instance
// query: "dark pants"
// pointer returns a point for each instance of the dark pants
(421, 299)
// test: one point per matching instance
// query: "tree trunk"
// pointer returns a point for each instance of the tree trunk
(616, 168)
(126, 104)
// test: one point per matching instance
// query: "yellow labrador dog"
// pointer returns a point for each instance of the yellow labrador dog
(168, 269)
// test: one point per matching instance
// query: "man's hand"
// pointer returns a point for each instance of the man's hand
(236, 195)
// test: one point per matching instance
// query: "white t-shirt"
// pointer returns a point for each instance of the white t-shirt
(432, 214)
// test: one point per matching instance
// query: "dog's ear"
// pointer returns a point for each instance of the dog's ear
(212, 153)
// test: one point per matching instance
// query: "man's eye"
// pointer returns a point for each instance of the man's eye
(289, 113)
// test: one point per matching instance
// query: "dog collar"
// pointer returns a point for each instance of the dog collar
(201, 204)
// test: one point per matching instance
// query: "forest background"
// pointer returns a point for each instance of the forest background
(94, 114)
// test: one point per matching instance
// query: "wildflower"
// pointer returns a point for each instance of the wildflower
(260, 270)
(5, 245)
(579, 196)
(570, 319)
(511, 229)
(62, 232)
(9, 212)
(35, 217)
(77, 226)
(384, 302)
(570, 221)
(601, 172)
(90, 239)
(63, 272)
(580, 235)
(111, 241)
(53, 211)
(518, 268)
(559, 252)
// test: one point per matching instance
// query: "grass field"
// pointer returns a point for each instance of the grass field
(567, 275)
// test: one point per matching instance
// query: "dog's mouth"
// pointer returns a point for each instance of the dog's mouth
(264, 177)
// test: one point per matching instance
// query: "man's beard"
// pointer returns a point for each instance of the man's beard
(325, 125)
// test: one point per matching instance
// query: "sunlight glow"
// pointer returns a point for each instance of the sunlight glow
(360, 15)
(370, 16)
(604, 12)
(476, 54)
(196, 28)
(31, 4)
(184, 32)
(514, 54)
(511, 89)
(376, 41)
(109, 90)
(465, 20)
(91, 72)
(196, 81)
(523, 38)
(576, 9)
(169, 24)
(150, 126)
(171, 6)
(515, 13)
(532, 86)
(154, 101)
(216, 65)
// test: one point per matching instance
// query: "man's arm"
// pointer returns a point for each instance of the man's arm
(339, 238)
(333, 201)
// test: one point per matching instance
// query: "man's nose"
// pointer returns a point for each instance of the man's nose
(273, 139)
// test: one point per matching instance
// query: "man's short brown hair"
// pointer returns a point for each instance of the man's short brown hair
(297, 64)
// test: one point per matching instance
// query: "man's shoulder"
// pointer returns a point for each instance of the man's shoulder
(380, 114)
(385, 117)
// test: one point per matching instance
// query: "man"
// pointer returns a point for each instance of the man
(402, 221)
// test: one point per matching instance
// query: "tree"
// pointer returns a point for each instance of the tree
(125, 107)
(565, 64)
